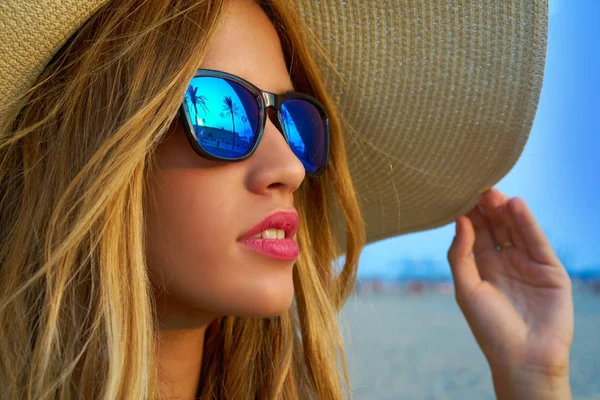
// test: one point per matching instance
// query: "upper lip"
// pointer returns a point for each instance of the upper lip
(286, 220)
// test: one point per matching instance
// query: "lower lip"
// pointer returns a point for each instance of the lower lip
(280, 249)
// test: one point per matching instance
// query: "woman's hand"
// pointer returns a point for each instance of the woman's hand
(516, 300)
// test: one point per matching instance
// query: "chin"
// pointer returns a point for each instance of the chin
(263, 292)
(266, 303)
(266, 292)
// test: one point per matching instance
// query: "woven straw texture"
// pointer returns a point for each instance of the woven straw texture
(31, 31)
(439, 96)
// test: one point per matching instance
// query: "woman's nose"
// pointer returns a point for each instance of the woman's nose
(274, 166)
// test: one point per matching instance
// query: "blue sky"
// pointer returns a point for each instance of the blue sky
(557, 174)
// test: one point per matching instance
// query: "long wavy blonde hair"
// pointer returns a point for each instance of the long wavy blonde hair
(77, 318)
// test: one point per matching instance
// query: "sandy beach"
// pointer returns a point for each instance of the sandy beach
(421, 348)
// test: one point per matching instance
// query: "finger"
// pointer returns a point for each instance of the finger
(537, 243)
(493, 203)
(462, 264)
(484, 240)
(516, 236)
(498, 226)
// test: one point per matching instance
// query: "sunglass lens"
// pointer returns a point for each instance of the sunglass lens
(307, 133)
(224, 116)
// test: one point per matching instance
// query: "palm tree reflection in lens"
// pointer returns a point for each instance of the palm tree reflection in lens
(196, 99)
(232, 109)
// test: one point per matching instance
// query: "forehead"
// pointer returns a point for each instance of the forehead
(246, 44)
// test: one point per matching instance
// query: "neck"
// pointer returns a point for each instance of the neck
(180, 360)
(180, 348)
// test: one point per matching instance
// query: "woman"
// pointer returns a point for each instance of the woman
(137, 261)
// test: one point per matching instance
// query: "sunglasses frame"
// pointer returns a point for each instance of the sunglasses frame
(265, 100)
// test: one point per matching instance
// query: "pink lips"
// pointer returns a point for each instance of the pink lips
(281, 249)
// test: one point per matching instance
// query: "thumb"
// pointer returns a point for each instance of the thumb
(464, 269)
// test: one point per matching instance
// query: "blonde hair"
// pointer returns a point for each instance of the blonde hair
(77, 318)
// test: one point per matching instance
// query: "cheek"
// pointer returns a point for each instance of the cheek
(192, 251)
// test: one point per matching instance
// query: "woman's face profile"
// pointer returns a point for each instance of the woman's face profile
(201, 207)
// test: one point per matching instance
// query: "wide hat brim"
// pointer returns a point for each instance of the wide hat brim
(438, 97)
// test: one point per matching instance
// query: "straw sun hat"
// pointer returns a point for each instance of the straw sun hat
(439, 96)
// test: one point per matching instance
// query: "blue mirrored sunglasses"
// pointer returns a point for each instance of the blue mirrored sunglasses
(224, 118)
